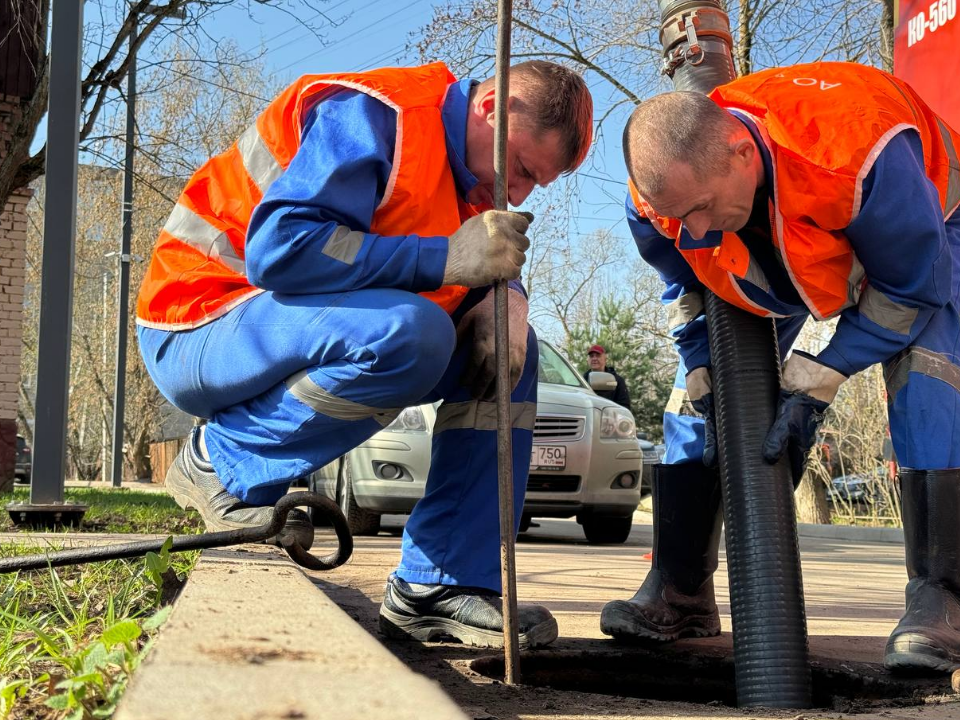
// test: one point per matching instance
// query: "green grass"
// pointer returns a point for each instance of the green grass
(71, 637)
(119, 511)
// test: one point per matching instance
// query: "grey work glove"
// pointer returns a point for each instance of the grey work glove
(486, 248)
(700, 391)
(477, 328)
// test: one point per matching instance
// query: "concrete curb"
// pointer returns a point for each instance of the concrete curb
(251, 637)
(851, 533)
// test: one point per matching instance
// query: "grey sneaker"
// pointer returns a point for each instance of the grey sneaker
(192, 482)
(472, 616)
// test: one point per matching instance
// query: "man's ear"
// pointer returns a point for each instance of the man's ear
(744, 149)
(485, 103)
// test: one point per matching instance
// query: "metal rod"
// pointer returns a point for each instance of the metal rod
(123, 274)
(508, 559)
(59, 229)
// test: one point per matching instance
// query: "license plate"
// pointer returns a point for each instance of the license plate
(552, 457)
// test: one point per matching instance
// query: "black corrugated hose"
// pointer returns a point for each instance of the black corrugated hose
(763, 558)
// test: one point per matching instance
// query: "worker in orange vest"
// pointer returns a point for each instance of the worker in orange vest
(826, 189)
(334, 266)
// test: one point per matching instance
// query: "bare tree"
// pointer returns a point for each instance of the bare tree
(107, 35)
(619, 47)
(181, 121)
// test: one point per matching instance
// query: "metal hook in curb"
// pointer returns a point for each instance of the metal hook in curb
(328, 510)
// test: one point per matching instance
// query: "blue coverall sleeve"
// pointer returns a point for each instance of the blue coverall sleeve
(662, 255)
(311, 232)
(900, 239)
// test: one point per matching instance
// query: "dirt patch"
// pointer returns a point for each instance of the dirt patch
(666, 674)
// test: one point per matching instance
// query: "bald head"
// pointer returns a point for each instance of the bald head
(684, 127)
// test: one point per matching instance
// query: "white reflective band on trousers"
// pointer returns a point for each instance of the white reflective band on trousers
(326, 403)
(479, 415)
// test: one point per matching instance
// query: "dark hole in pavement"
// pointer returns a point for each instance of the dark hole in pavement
(840, 686)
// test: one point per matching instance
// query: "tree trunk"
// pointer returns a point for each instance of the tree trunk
(887, 22)
(744, 44)
(139, 458)
(811, 498)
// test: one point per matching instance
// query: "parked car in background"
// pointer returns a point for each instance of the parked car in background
(586, 461)
(868, 488)
(24, 462)
(651, 456)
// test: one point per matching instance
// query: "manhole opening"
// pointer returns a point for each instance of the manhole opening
(846, 687)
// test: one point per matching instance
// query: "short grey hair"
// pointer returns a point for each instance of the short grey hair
(681, 126)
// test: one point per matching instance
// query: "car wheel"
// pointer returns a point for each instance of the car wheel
(315, 484)
(361, 522)
(606, 529)
(525, 522)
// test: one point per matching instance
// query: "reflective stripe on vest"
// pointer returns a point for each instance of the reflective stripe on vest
(197, 272)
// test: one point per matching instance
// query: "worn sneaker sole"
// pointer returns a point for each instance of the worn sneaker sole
(437, 629)
(187, 495)
(912, 652)
(625, 625)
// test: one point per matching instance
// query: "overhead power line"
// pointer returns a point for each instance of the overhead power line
(328, 48)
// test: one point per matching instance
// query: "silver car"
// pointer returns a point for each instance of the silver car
(586, 461)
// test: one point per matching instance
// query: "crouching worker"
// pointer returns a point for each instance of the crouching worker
(334, 266)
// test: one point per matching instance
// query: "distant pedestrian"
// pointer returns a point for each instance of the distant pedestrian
(597, 359)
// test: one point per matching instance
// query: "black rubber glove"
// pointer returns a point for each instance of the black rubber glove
(799, 417)
(704, 406)
(478, 328)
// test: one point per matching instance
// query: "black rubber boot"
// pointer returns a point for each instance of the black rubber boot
(928, 635)
(473, 616)
(676, 599)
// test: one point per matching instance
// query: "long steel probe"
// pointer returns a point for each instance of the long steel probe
(508, 560)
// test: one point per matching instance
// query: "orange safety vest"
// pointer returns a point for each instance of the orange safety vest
(823, 124)
(196, 273)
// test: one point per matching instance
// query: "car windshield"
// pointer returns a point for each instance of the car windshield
(554, 369)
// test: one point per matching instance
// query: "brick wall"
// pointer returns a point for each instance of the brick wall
(13, 238)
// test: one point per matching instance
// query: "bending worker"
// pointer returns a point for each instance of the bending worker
(334, 266)
(827, 189)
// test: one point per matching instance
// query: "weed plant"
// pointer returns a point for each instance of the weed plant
(71, 637)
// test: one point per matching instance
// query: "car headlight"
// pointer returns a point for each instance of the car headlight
(410, 420)
(616, 423)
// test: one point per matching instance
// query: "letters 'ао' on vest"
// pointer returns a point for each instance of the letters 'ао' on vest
(197, 272)
(823, 124)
